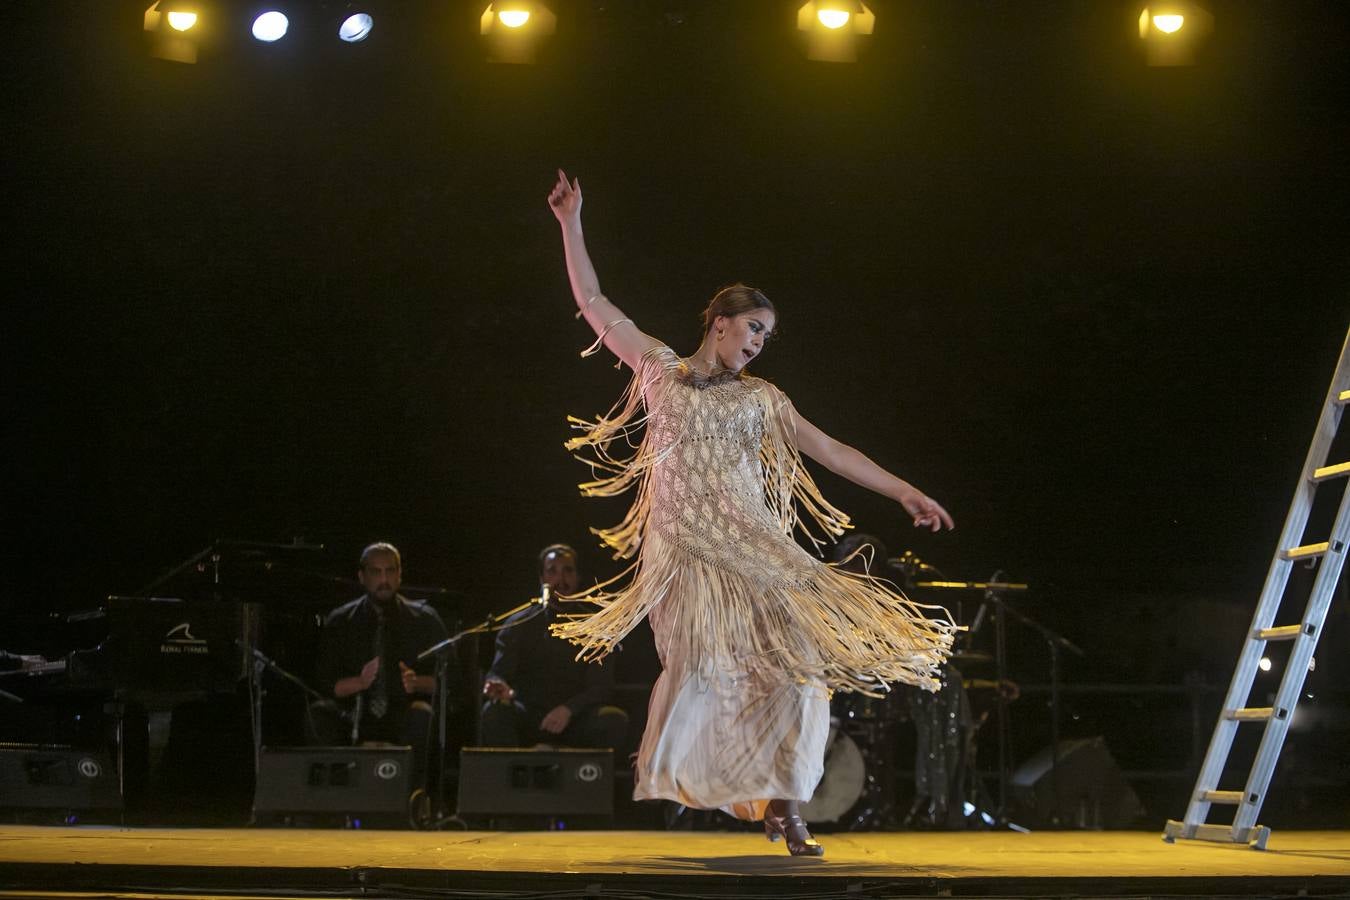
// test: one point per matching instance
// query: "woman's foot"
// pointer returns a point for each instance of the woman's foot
(793, 830)
(773, 827)
(799, 840)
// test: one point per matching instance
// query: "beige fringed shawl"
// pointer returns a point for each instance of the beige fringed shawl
(720, 489)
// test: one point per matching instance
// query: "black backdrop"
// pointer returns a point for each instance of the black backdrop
(295, 290)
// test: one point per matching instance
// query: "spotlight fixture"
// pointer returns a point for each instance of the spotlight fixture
(831, 28)
(173, 30)
(356, 27)
(270, 26)
(181, 21)
(513, 32)
(1173, 33)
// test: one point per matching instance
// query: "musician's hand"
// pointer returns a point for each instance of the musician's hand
(369, 671)
(498, 691)
(927, 512)
(409, 678)
(556, 721)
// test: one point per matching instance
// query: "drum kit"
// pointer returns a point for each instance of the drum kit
(861, 786)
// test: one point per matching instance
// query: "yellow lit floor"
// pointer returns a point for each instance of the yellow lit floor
(949, 855)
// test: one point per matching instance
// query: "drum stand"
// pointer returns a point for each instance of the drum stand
(876, 809)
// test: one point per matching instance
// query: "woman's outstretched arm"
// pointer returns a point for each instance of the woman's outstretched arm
(852, 464)
(624, 339)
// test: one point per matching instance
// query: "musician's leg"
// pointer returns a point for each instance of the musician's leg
(601, 726)
(500, 725)
(324, 727)
(417, 722)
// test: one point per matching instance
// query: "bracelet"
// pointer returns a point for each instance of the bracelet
(585, 306)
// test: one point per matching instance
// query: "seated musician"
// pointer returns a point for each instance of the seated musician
(368, 663)
(537, 691)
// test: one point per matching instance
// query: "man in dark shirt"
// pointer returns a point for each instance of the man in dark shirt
(368, 662)
(537, 691)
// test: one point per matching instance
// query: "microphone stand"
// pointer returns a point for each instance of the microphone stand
(273, 666)
(441, 652)
(993, 591)
(1056, 642)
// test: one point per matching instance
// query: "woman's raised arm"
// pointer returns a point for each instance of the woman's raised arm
(624, 339)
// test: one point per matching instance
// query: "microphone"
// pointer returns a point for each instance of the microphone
(910, 564)
(989, 595)
(545, 595)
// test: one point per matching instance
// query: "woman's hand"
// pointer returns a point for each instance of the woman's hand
(927, 512)
(565, 199)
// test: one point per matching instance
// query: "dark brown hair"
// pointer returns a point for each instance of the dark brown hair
(733, 300)
(379, 548)
(556, 550)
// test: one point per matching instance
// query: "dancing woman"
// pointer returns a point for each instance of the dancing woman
(752, 631)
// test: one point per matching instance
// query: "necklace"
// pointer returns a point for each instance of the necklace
(699, 379)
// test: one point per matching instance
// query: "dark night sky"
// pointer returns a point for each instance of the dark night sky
(1090, 306)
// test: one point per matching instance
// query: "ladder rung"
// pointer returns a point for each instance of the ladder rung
(1335, 471)
(1280, 633)
(1230, 797)
(1307, 551)
(1343, 397)
(1251, 714)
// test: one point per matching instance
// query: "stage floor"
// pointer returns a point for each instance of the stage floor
(38, 861)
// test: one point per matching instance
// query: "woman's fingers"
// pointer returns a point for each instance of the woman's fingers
(932, 516)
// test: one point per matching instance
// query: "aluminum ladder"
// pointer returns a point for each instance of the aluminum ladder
(1304, 634)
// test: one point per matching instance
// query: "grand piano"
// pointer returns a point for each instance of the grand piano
(162, 683)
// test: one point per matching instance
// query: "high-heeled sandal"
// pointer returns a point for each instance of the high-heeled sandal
(778, 826)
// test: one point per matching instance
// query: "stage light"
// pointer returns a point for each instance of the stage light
(171, 28)
(831, 29)
(1168, 24)
(271, 26)
(1172, 33)
(1265, 664)
(833, 18)
(356, 27)
(513, 32)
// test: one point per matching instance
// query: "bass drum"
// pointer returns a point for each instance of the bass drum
(841, 785)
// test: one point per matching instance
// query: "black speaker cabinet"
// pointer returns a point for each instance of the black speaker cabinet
(360, 780)
(37, 776)
(1086, 790)
(497, 781)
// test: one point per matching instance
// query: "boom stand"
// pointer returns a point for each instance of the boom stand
(1055, 642)
(439, 816)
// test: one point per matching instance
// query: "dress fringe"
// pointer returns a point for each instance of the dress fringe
(809, 622)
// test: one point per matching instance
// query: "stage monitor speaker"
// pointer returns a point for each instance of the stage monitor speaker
(47, 776)
(357, 780)
(500, 781)
(1086, 790)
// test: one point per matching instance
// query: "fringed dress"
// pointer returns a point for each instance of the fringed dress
(752, 631)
